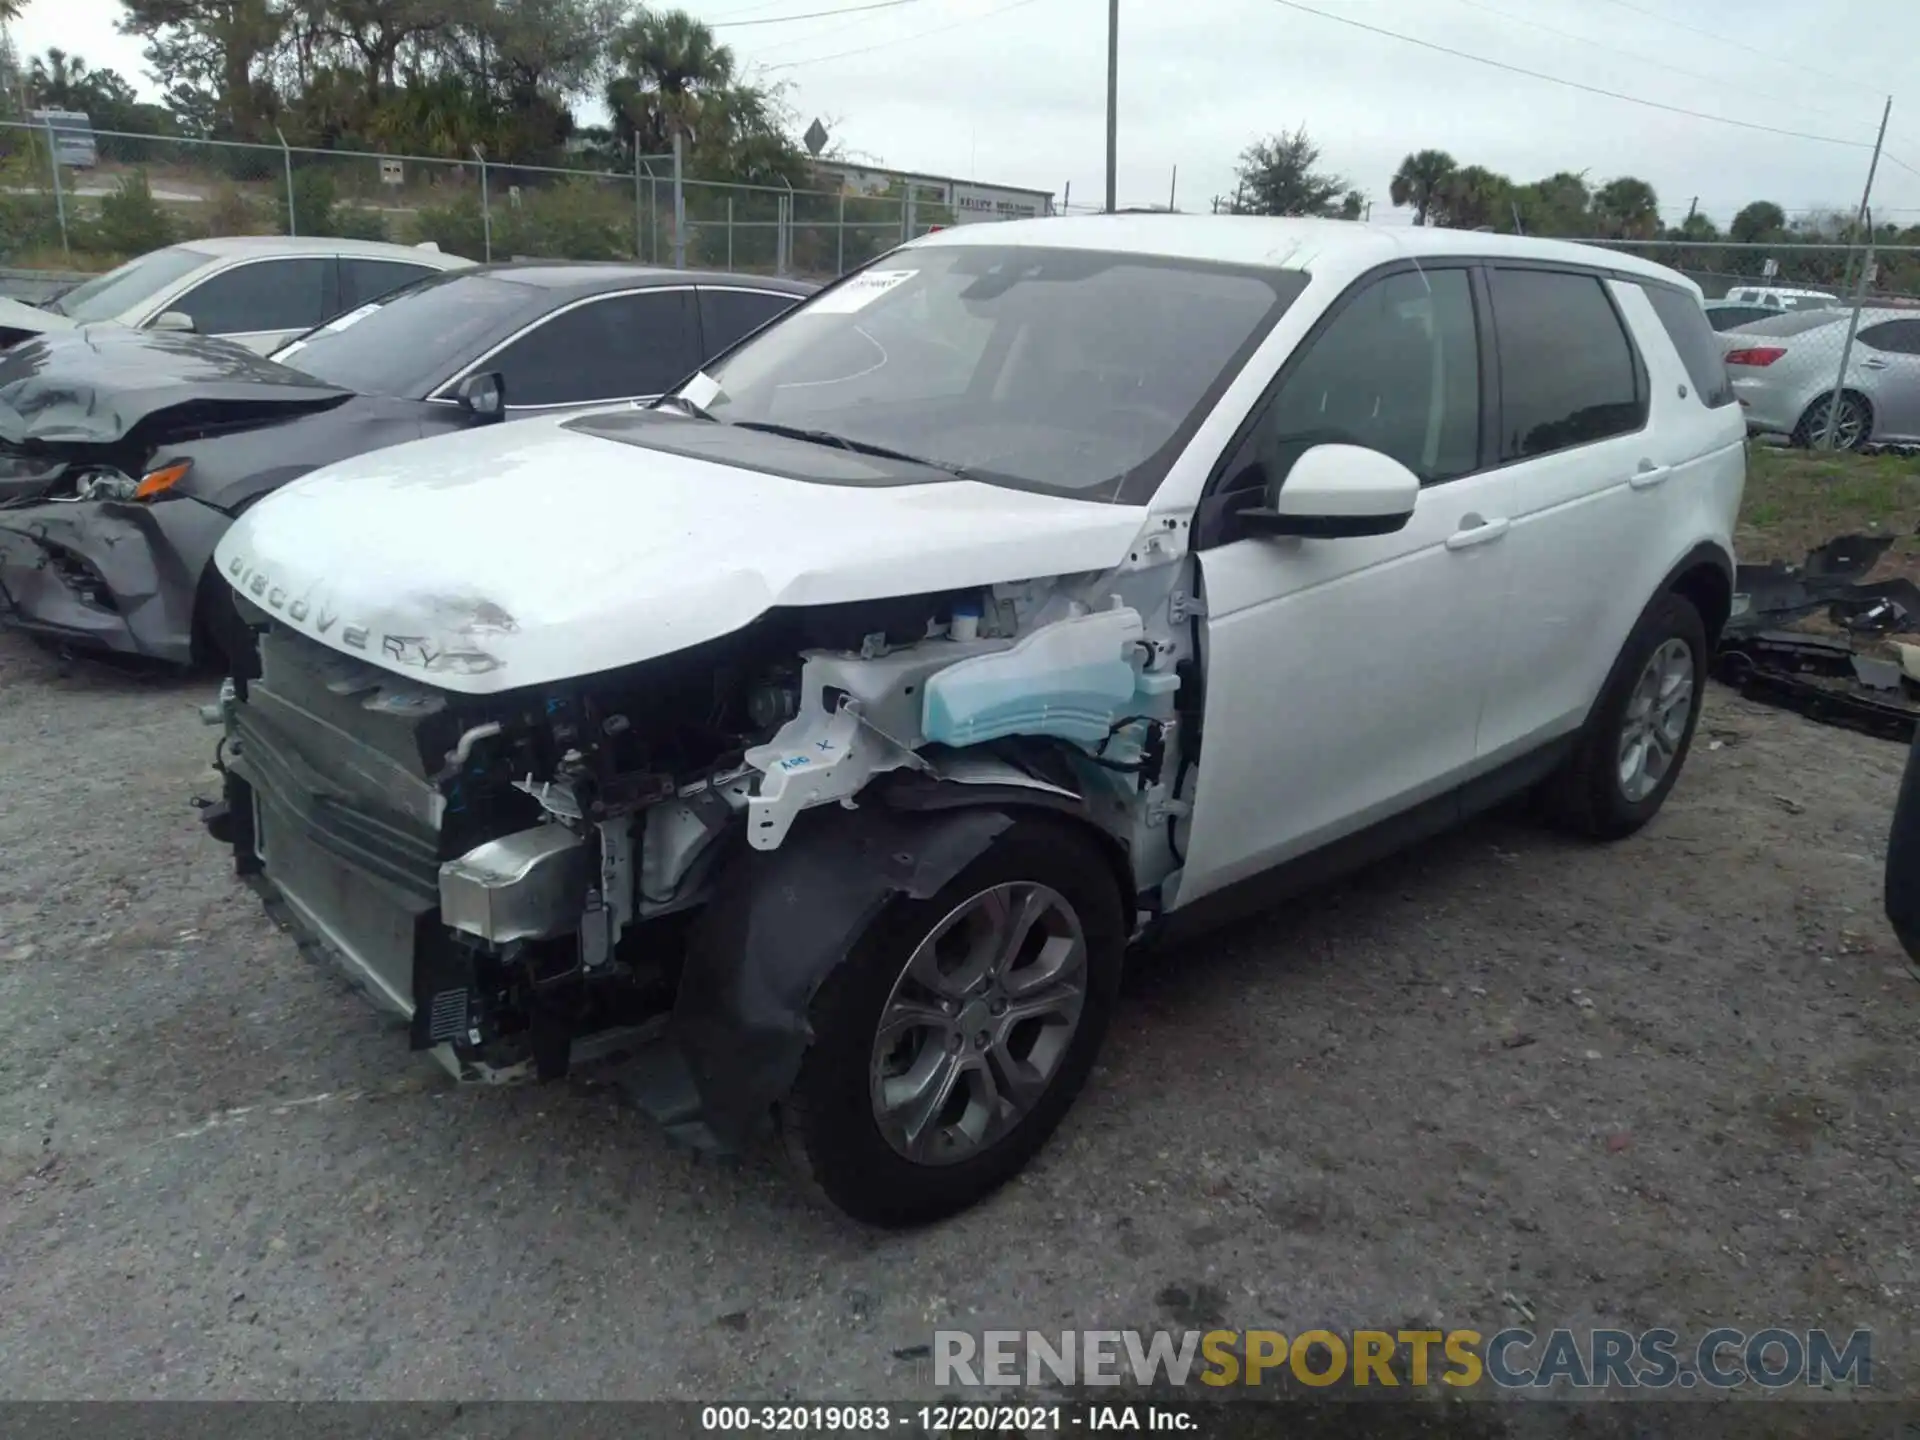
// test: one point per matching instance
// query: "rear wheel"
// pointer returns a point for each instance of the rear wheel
(1637, 737)
(953, 1040)
(1852, 427)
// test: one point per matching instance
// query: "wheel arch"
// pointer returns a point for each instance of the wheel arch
(780, 922)
(1704, 577)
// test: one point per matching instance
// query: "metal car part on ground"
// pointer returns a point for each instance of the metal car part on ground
(1825, 677)
(125, 454)
(992, 612)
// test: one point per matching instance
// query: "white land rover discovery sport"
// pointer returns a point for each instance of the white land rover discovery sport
(826, 733)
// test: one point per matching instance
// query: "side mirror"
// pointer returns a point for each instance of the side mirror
(1334, 491)
(482, 396)
(177, 321)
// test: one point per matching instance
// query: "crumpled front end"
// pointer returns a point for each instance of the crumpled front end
(107, 575)
(668, 860)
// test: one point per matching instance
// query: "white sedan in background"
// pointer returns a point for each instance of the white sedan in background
(258, 290)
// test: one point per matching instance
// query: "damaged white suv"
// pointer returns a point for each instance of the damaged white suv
(823, 735)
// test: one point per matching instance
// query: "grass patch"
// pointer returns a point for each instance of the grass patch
(1797, 499)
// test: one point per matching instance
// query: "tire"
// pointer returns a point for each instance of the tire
(1592, 795)
(217, 631)
(832, 1121)
(1855, 415)
(218, 636)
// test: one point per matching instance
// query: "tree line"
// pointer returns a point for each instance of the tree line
(440, 79)
(506, 77)
(434, 78)
(1283, 175)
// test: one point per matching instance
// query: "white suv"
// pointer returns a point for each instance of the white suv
(837, 724)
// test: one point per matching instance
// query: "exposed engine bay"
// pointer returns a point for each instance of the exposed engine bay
(520, 873)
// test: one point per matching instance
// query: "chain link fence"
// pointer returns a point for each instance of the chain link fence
(1821, 339)
(141, 192)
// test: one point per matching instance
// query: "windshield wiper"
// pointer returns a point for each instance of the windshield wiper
(858, 447)
(682, 404)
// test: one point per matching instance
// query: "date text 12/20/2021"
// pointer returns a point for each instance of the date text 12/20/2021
(911, 1419)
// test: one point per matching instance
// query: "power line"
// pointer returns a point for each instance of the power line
(750, 10)
(1850, 80)
(1571, 84)
(1889, 155)
(1593, 44)
(812, 15)
(901, 39)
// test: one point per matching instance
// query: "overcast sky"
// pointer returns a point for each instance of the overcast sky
(1013, 91)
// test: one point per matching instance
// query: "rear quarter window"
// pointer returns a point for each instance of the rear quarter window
(1686, 326)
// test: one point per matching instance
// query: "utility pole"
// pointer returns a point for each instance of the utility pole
(1860, 228)
(1173, 189)
(1112, 102)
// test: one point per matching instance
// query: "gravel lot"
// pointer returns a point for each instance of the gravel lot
(1669, 1082)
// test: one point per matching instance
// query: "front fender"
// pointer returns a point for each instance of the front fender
(779, 922)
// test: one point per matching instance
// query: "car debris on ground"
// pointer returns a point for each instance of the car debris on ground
(1830, 674)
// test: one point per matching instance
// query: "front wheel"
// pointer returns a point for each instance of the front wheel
(952, 1041)
(1641, 727)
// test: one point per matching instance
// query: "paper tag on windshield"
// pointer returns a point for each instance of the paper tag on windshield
(350, 318)
(859, 292)
(700, 391)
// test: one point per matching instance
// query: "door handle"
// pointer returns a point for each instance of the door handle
(1649, 475)
(1873, 362)
(1475, 531)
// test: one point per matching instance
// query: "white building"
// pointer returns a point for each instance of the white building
(967, 200)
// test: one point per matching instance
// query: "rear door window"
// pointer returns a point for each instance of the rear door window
(1896, 337)
(263, 296)
(727, 315)
(1686, 326)
(1567, 370)
(620, 347)
(364, 280)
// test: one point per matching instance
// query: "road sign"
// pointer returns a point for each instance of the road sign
(391, 173)
(1771, 268)
(815, 138)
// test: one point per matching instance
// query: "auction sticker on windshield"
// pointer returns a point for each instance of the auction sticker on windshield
(860, 292)
(350, 318)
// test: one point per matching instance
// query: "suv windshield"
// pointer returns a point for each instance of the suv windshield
(1068, 371)
(109, 296)
(402, 343)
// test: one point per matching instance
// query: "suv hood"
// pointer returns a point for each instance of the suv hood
(527, 553)
(94, 385)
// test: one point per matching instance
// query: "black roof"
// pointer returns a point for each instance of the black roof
(587, 277)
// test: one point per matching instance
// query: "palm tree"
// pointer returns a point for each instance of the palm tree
(669, 66)
(55, 78)
(1627, 209)
(10, 10)
(1473, 198)
(1419, 178)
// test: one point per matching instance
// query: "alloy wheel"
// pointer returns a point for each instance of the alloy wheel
(1656, 720)
(978, 1023)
